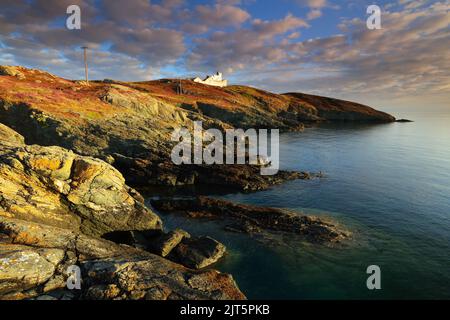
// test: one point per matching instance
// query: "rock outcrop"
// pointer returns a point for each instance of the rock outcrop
(34, 259)
(330, 109)
(9, 136)
(198, 253)
(253, 219)
(55, 205)
(57, 187)
(177, 245)
(164, 243)
(12, 71)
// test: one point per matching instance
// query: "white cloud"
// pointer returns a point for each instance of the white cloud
(314, 14)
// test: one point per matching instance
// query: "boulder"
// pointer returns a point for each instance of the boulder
(34, 260)
(11, 71)
(54, 186)
(176, 245)
(198, 253)
(165, 242)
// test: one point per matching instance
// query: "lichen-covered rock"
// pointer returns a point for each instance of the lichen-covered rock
(144, 104)
(152, 277)
(54, 205)
(11, 71)
(103, 292)
(8, 135)
(34, 259)
(35, 234)
(54, 186)
(28, 195)
(23, 267)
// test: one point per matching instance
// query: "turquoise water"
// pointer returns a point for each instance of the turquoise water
(390, 184)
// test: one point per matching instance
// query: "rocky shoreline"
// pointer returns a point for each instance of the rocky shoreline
(59, 209)
(254, 220)
(71, 156)
(54, 208)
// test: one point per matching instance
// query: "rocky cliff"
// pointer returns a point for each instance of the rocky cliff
(56, 205)
(331, 109)
(129, 124)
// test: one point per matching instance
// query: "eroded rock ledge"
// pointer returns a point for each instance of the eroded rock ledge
(34, 259)
(54, 207)
(253, 219)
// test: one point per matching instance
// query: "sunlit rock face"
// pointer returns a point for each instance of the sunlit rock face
(55, 205)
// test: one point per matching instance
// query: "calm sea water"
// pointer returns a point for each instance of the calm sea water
(390, 184)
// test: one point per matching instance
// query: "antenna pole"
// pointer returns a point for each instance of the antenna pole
(85, 64)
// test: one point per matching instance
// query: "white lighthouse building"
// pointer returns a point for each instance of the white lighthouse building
(214, 80)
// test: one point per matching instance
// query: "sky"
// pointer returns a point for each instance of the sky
(314, 46)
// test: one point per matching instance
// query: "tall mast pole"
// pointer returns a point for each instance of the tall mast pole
(85, 64)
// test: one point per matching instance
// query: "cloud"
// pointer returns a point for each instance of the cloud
(316, 7)
(314, 14)
(20, 13)
(155, 47)
(221, 15)
(413, 4)
(313, 3)
(135, 28)
(294, 35)
(141, 13)
(409, 57)
(256, 45)
(136, 39)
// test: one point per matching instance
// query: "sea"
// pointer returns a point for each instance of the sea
(389, 184)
